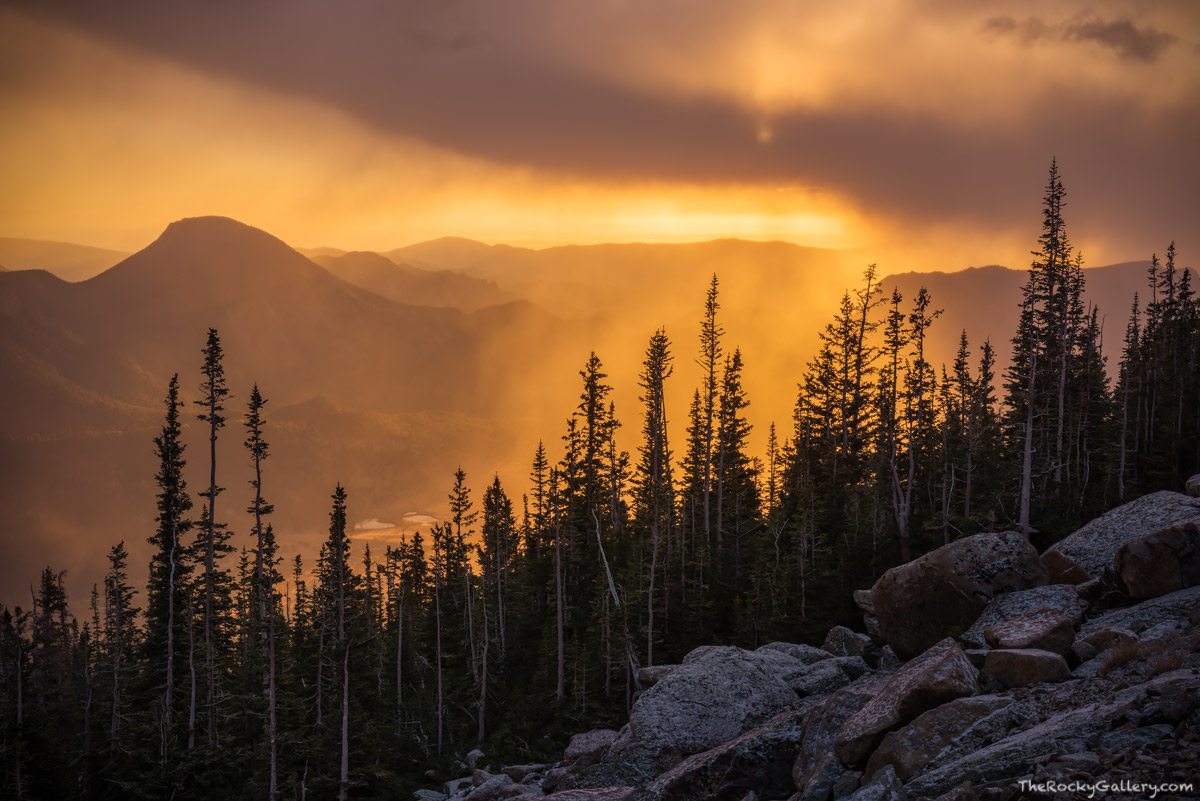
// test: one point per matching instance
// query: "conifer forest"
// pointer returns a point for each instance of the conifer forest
(525, 615)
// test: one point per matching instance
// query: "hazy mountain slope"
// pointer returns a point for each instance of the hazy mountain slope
(294, 327)
(774, 297)
(68, 261)
(590, 279)
(387, 397)
(412, 393)
(404, 283)
(76, 494)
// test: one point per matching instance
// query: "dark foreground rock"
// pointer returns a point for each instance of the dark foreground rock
(1071, 731)
(1043, 629)
(1023, 667)
(935, 733)
(1062, 598)
(1094, 547)
(941, 674)
(1160, 563)
(759, 761)
(796, 722)
(941, 593)
(712, 698)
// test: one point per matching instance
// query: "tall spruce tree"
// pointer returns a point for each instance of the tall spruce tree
(167, 590)
(214, 392)
(654, 491)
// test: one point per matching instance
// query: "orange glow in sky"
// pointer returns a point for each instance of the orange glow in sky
(700, 121)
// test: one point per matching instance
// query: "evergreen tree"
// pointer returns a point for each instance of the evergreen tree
(167, 590)
(653, 485)
(215, 538)
(121, 639)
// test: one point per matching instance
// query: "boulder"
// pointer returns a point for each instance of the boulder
(888, 659)
(498, 788)
(841, 641)
(473, 757)
(1166, 630)
(649, 676)
(1178, 606)
(429, 795)
(587, 748)
(1067, 732)
(716, 695)
(518, 772)
(1101, 640)
(1062, 598)
(626, 762)
(1012, 756)
(1063, 768)
(863, 599)
(962, 792)
(1094, 547)
(1023, 667)
(822, 678)
(453, 786)
(593, 794)
(1119, 740)
(883, 786)
(804, 654)
(874, 631)
(1160, 563)
(847, 785)
(786, 666)
(936, 733)
(821, 727)
(702, 651)
(760, 759)
(1192, 486)
(1042, 629)
(824, 778)
(940, 674)
(1062, 569)
(942, 593)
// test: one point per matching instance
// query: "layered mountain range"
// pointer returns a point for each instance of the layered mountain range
(385, 372)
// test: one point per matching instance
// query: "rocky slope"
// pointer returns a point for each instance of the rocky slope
(990, 673)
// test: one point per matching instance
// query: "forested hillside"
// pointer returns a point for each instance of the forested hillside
(526, 614)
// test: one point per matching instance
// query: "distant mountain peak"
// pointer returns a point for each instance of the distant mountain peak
(216, 230)
(221, 251)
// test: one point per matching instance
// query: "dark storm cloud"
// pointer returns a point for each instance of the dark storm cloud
(1120, 35)
(476, 79)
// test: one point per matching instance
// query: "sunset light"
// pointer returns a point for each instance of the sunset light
(684, 400)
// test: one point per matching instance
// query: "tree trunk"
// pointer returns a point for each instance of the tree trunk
(118, 634)
(272, 726)
(558, 603)
(1027, 460)
(437, 619)
(192, 680)
(1124, 429)
(483, 675)
(650, 594)
(320, 668)
(344, 776)
(168, 698)
(209, 568)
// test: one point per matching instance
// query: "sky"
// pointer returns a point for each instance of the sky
(920, 131)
